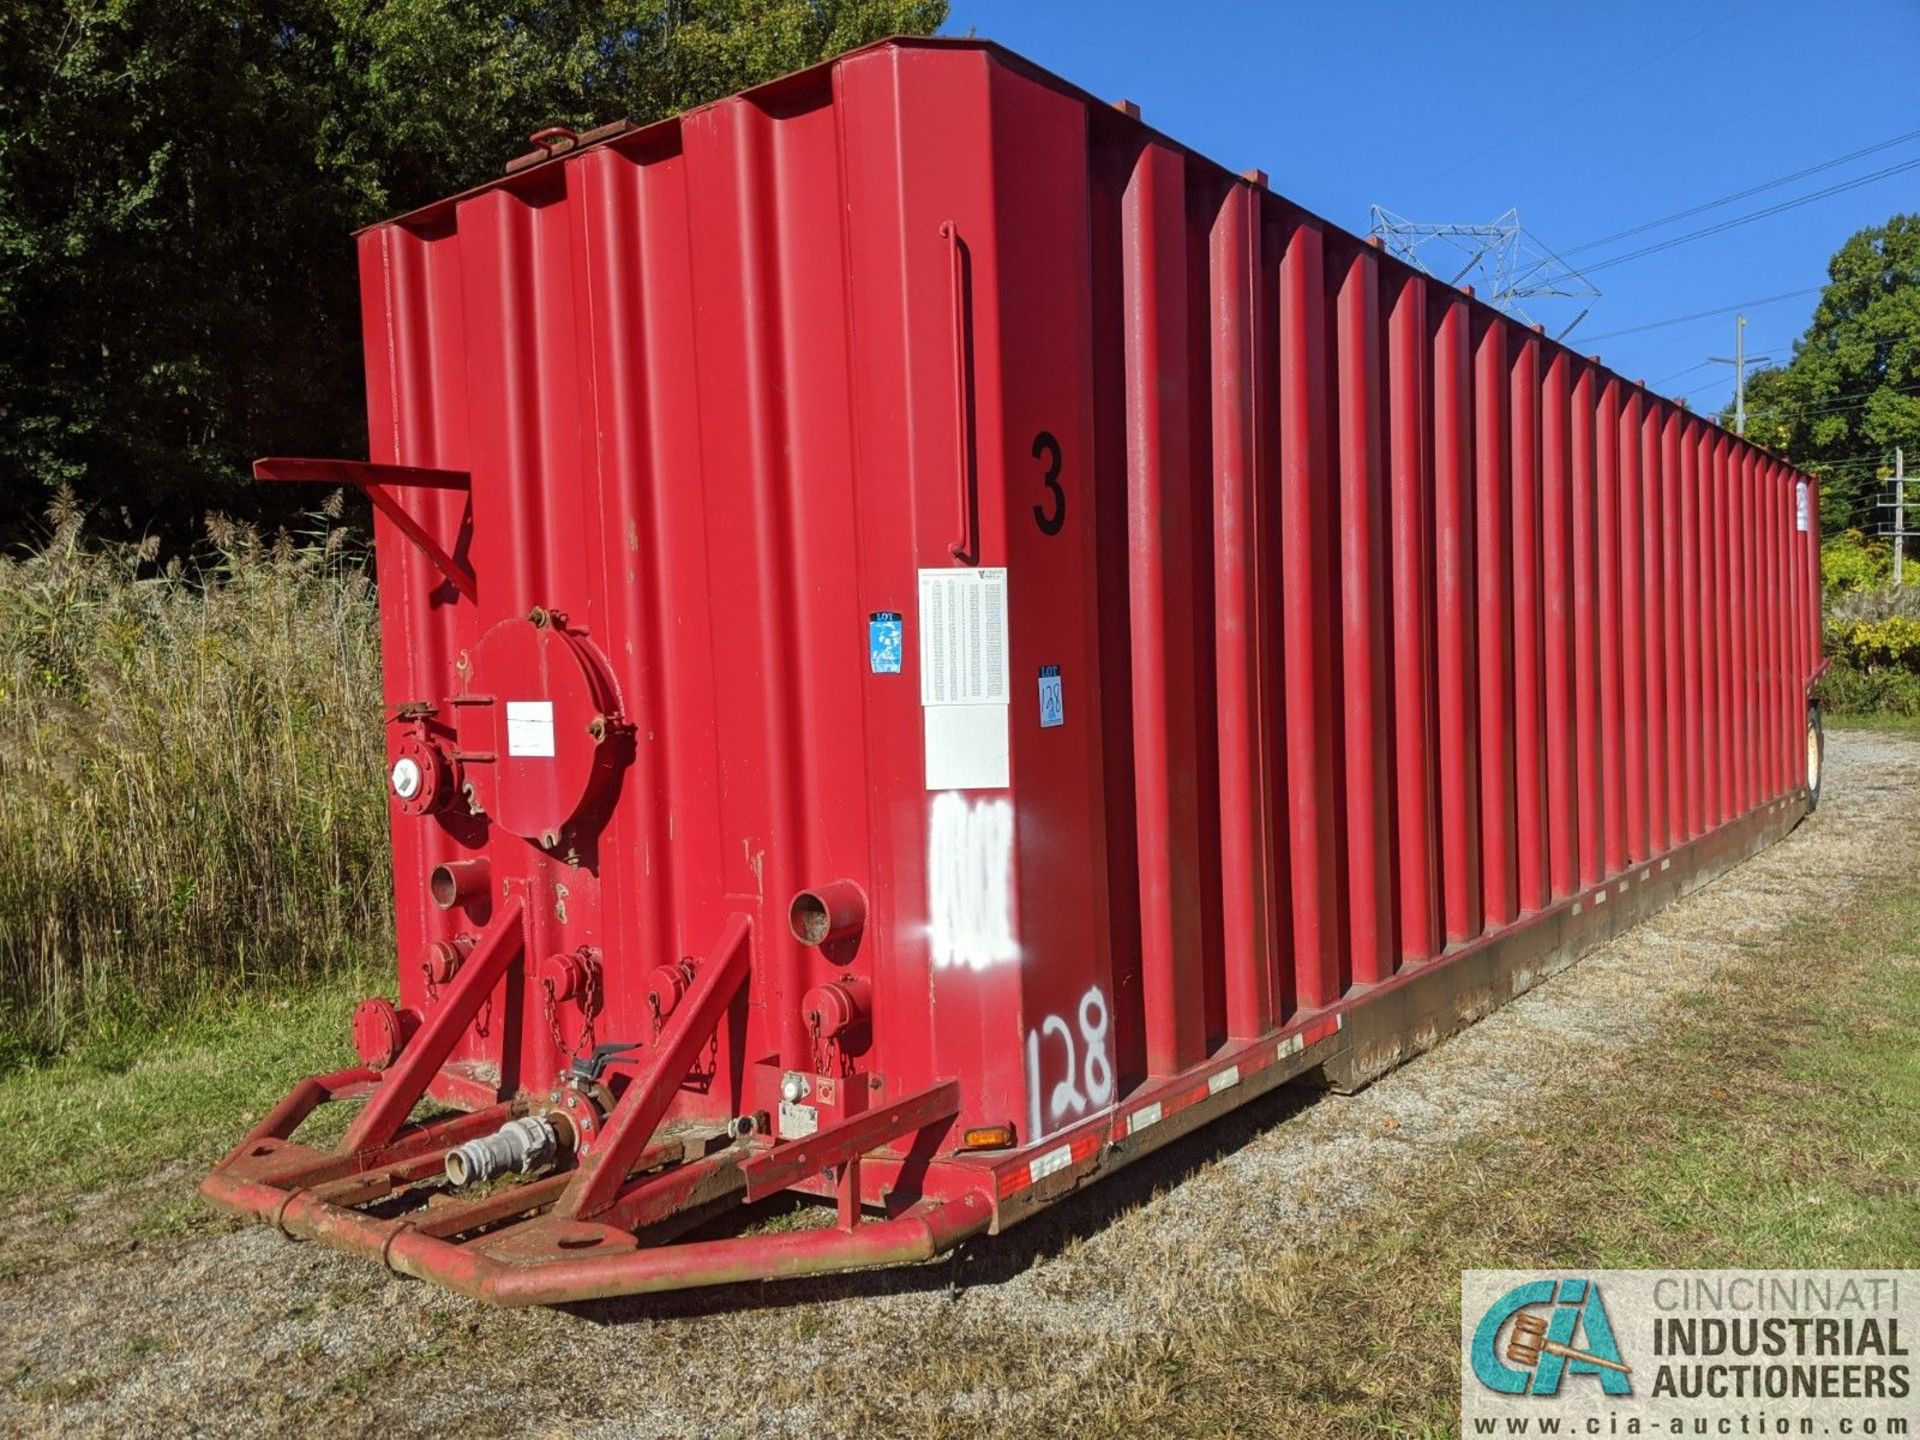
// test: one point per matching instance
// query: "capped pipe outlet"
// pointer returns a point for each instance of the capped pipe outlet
(457, 882)
(836, 911)
(516, 1148)
(445, 957)
(381, 1030)
(832, 1010)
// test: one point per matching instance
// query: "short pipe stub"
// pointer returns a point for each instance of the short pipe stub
(828, 913)
(456, 882)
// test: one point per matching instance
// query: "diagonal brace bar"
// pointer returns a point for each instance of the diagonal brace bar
(639, 1112)
(377, 482)
(784, 1165)
(406, 1080)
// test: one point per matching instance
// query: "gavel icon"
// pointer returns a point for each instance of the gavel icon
(1529, 1342)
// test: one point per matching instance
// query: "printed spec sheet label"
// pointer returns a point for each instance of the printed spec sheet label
(965, 678)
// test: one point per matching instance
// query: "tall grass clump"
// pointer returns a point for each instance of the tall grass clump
(190, 763)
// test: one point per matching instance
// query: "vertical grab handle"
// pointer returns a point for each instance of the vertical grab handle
(965, 549)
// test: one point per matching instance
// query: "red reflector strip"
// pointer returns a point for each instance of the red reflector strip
(1050, 1161)
(1068, 1153)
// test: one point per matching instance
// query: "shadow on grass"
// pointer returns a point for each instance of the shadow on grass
(985, 1260)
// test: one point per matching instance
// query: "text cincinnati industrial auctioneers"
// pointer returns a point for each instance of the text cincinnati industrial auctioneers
(1771, 1337)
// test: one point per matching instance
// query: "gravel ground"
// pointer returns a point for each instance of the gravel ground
(233, 1331)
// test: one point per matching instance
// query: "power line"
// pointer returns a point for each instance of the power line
(1840, 403)
(1678, 373)
(1703, 314)
(1743, 194)
(1753, 215)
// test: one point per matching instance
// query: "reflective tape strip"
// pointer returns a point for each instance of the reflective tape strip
(1056, 1159)
(1024, 1176)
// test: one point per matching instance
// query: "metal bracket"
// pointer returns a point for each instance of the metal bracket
(786, 1165)
(378, 483)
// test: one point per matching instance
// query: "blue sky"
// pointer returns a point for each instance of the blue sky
(1589, 118)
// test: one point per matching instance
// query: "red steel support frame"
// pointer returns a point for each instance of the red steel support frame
(601, 1175)
(377, 483)
(402, 1086)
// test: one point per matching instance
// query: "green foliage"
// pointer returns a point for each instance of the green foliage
(1849, 562)
(190, 778)
(1891, 643)
(178, 180)
(1852, 390)
(1846, 691)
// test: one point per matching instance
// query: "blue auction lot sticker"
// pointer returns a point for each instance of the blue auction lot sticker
(886, 637)
(1052, 708)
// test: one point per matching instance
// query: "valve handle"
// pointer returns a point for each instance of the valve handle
(590, 1067)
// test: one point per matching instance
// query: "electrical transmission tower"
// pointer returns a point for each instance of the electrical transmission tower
(1503, 262)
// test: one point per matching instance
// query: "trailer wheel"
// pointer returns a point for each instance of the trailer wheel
(1816, 757)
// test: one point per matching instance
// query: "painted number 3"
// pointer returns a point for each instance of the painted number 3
(1084, 1083)
(1045, 447)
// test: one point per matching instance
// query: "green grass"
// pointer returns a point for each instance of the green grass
(1805, 1149)
(190, 781)
(119, 1105)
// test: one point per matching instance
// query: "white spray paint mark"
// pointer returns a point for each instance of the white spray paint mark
(1082, 1086)
(970, 882)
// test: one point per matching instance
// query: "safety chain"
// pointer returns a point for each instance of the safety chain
(589, 1008)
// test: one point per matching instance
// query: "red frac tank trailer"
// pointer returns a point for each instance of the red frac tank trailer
(937, 640)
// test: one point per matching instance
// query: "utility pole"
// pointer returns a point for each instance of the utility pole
(1739, 361)
(1899, 515)
(1898, 504)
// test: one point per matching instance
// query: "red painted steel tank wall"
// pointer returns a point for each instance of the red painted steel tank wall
(1383, 621)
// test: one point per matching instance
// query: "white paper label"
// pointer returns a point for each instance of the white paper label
(1802, 507)
(963, 637)
(797, 1120)
(530, 727)
(966, 747)
(965, 678)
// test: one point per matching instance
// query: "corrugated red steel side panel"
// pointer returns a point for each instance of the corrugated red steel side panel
(1384, 621)
(1359, 380)
(1532, 865)
(1459, 790)
(1589, 756)
(1559, 535)
(1653, 575)
(1422, 933)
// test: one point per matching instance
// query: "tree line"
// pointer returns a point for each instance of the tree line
(179, 180)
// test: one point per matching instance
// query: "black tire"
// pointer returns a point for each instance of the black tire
(1816, 757)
